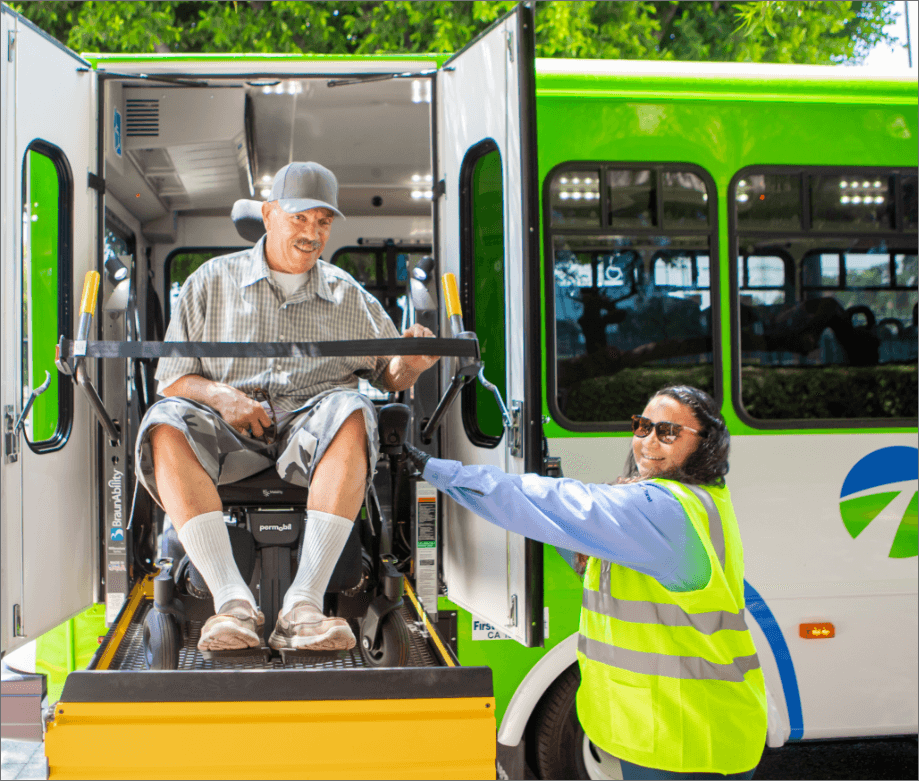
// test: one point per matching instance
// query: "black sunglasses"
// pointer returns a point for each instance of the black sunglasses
(667, 432)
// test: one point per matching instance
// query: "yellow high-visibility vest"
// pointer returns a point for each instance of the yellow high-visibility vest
(671, 680)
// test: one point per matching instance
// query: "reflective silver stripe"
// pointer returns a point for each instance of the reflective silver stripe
(662, 614)
(605, 567)
(715, 529)
(666, 666)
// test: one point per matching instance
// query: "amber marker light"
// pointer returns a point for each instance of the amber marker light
(820, 631)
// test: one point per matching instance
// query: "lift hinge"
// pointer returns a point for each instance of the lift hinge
(17, 621)
(11, 44)
(439, 189)
(512, 612)
(10, 438)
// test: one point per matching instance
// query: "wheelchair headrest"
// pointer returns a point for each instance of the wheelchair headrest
(247, 217)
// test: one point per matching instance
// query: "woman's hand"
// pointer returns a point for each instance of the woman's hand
(418, 458)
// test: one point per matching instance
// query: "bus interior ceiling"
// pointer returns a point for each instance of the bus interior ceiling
(189, 152)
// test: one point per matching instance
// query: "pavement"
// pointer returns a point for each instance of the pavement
(22, 759)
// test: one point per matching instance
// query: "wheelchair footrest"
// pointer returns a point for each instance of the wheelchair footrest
(249, 654)
(294, 655)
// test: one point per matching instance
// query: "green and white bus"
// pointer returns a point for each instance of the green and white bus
(614, 226)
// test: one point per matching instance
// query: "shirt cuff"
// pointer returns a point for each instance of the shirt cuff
(440, 472)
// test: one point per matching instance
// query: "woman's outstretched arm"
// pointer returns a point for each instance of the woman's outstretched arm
(639, 525)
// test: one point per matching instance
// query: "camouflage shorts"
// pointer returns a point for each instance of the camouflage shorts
(228, 456)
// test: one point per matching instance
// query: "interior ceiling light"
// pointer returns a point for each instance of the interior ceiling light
(266, 191)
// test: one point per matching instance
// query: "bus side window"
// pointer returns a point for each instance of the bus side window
(632, 279)
(483, 286)
(47, 200)
(826, 299)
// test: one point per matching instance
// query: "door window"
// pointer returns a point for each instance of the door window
(632, 287)
(483, 288)
(47, 198)
(826, 295)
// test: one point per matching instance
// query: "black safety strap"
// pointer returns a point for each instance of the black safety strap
(460, 348)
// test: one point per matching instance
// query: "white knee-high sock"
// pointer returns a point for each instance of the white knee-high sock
(207, 543)
(323, 541)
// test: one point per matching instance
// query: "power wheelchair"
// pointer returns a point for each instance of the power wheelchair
(267, 517)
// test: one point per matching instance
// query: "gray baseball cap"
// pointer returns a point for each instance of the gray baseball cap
(301, 186)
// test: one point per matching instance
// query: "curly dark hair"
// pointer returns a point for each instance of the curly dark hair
(708, 463)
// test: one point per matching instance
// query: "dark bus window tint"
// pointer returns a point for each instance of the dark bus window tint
(768, 202)
(631, 198)
(843, 348)
(44, 270)
(862, 202)
(482, 215)
(575, 199)
(630, 318)
(908, 185)
(685, 199)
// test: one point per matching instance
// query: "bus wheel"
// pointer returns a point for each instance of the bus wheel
(562, 748)
(394, 643)
(161, 641)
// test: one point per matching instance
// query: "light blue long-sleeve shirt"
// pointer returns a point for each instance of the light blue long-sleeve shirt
(638, 525)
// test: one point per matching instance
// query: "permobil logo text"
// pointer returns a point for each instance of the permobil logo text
(285, 527)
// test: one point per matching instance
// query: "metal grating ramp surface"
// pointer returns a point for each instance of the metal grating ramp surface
(130, 653)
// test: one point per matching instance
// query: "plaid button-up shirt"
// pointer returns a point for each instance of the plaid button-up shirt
(234, 299)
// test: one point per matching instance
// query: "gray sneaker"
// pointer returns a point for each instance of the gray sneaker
(305, 628)
(237, 625)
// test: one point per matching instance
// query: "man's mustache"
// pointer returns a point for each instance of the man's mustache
(308, 246)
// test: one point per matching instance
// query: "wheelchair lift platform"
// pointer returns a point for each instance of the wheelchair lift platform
(309, 716)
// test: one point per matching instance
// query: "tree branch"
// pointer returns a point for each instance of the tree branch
(667, 21)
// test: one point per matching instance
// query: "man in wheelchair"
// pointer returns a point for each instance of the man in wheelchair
(225, 419)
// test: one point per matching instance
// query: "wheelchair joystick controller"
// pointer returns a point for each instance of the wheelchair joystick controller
(392, 426)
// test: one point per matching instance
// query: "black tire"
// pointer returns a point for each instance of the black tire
(394, 643)
(557, 732)
(562, 749)
(161, 641)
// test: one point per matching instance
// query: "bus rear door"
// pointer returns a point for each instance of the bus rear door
(50, 542)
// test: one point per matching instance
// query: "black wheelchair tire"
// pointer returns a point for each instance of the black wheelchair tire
(161, 641)
(557, 732)
(394, 643)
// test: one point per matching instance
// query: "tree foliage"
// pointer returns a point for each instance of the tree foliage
(788, 32)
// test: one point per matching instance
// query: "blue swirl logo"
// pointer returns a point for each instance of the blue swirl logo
(883, 469)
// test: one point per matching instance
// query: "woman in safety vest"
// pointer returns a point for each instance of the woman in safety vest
(670, 681)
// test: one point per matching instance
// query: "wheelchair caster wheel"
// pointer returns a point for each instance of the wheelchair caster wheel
(394, 643)
(161, 641)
